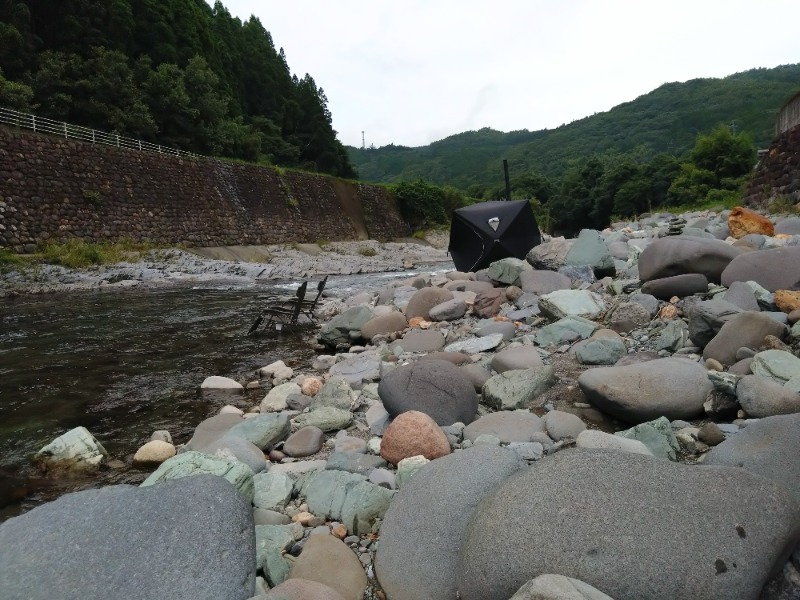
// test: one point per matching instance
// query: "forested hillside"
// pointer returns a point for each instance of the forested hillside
(667, 120)
(177, 72)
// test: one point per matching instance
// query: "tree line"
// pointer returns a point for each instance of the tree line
(597, 188)
(179, 73)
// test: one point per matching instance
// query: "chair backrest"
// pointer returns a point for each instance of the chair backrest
(301, 293)
(320, 287)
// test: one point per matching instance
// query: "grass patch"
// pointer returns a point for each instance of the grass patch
(76, 254)
(367, 251)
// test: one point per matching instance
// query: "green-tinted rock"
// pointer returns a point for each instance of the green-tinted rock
(571, 303)
(272, 491)
(195, 463)
(657, 435)
(590, 249)
(337, 330)
(272, 544)
(76, 450)
(776, 364)
(673, 337)
(507, 270)
(517, 388)
(336, 393)
(326, 418)
(346, 497)
(601, 351)
(263, 430)
(795, 332)
(565, 330)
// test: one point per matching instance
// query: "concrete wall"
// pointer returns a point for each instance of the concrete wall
(788, 116)
(55, 189)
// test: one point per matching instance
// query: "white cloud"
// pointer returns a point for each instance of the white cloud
(413, 72)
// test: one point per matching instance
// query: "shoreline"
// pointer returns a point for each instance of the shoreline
(159, 269)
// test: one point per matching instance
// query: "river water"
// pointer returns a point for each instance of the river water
(124, 364)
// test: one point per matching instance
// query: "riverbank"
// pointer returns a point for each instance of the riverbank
(540, 424)
(240, 266)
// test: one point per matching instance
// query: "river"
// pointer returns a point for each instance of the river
(124, 364)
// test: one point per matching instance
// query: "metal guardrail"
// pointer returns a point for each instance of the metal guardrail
(43, 125)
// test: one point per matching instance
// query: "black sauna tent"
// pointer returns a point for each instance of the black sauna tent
(483, 233)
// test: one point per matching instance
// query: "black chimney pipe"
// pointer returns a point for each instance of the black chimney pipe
(508, 182)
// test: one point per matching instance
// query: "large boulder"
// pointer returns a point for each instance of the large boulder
(773, 269)
(421, 539)
(768, 448)
(590, 249)
(743, 221)
(707, 318)
(337, 331)
(764, 397)
(571, 303)
(550, 255)
(127, 542)
(518, 388)
(625, 524)
(437, 388)
(670, 256)
(394, 322)
(543, 282)
(413, 433)
(424, 300)
(681, 286)
(672, 387)
(195, 464)
(345, 497)
(329, 561)
(419, 340)
(508, 270)
(747, 329)
(507, 426)
(76, 450)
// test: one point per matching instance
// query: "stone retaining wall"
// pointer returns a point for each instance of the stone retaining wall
(56, 189)
(778, 172)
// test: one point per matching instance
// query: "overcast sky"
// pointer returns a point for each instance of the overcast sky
(411, 72)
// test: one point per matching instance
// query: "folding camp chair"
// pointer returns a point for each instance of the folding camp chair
(308, 306)
(282, 311)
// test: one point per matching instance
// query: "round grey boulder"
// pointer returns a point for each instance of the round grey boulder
(773, 269)
(508, 426)
(435, 387)
(622, 523)
(672, 387)
(420, 539)
(768, 448)
(424, 300)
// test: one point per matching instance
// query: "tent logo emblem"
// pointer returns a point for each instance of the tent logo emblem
(494, 223)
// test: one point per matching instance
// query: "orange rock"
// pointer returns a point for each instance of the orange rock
(304, 518)
(787, 300)
(340, 531)
(668, 312)
(311, 386)
(420, 322)
(413, 433)
(743, 221)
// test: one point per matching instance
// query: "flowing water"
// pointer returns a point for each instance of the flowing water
(124, 364)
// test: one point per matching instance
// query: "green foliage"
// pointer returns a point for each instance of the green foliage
(367, 251)
(92, 197)
(422, 204)
(77, 253)
(174, 72)
(664, 121)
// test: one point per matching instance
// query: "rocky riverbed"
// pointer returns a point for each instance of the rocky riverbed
(237, 265)
(617, 416)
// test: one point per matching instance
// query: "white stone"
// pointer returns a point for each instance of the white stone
(77, 449)
(276, 370)
(215, 382)
(230, 410)
(408, 467)
(153, 453)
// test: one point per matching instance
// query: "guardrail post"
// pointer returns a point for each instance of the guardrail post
(93, 136)
(117, 140)
(140, 145)
(33, 121)
(66, 136)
